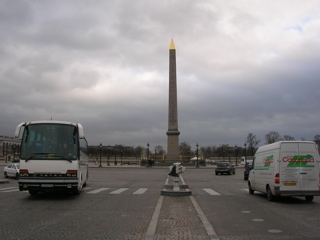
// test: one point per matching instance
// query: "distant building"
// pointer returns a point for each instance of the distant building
(9, 148)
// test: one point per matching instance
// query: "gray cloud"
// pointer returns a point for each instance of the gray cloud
(242, 67)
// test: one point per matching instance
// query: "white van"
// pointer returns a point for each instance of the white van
(245, 161)
(286, 168)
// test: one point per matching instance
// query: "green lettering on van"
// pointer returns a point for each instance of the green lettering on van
(268, 160)
(300, 161)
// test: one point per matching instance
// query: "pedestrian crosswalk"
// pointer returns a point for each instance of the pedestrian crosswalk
(133, 191)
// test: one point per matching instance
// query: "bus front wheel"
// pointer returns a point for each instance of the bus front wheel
(309, 198)
(77, 191)
(33, 192)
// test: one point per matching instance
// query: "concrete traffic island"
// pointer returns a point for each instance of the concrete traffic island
(172, 184)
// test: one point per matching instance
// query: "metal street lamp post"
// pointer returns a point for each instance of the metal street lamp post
(121, 153)
(100, 154)
(14, 152)
(197, 155)
(147, 154)
(115, 155)
(108, 155)
(236, 153)
(245, 154)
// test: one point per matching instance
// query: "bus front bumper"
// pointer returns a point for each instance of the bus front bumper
(26, 184)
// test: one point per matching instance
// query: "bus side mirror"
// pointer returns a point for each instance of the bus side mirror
(17, 132)
(80, 131)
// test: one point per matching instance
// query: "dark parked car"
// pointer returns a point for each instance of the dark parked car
(246, 172)
(225, 167)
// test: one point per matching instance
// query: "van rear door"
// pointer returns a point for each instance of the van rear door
(308, 170)
(289, 172)
(299, 169)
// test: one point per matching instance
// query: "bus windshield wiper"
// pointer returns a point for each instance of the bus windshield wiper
(35, 155)
(63, 158)
(31, 157)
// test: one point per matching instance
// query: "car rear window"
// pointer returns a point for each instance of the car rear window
(222, 164)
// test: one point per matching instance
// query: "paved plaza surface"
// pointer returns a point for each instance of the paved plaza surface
(126, 203)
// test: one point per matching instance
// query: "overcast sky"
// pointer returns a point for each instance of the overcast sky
(242, 67)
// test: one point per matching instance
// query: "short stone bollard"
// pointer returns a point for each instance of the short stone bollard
(175, 170)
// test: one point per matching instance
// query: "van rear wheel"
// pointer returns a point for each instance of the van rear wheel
(269, 194)
(77, 191)
(251, 191)
(309, 198)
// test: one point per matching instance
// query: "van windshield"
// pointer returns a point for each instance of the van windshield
(49, 142)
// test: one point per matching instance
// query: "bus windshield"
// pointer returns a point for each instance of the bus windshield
(49, 142)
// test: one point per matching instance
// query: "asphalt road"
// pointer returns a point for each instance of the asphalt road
(125, 203)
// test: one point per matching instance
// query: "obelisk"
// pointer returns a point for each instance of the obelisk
(173, 132)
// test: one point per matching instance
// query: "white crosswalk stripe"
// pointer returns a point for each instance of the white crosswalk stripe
(118, 191)
(98, 190)
(140, 191)
(9, 189)
(210, 191)
(1, 189)
(12, 190)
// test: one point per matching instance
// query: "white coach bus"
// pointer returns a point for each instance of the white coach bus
(53, 156)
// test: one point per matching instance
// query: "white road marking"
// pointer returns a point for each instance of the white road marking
(12, 190)
(154, 220)
(98, 190)
(167, 181)
(207, 225)
(120, 190)
(140, 191)
(211, 192)
(1, 189)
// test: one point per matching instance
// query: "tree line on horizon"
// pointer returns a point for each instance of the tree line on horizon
(186, 152)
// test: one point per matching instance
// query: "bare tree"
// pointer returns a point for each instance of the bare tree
(185, 149)
(160, 150)
(222, 151)
(138, 151)
(207, 151)
(252, 142)
(273, 137)
(288, 138)
(317, 139)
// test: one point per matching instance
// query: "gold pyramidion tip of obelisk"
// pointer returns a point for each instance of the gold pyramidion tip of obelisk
(172, 45)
